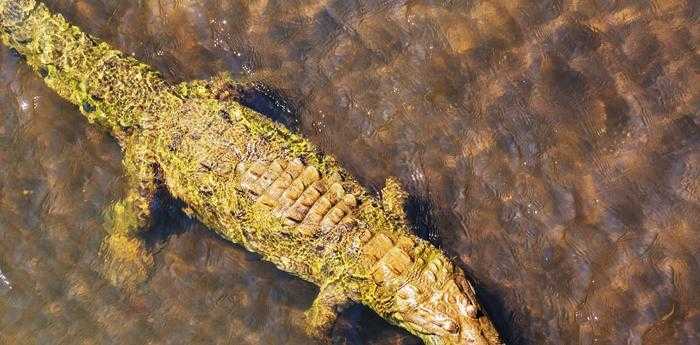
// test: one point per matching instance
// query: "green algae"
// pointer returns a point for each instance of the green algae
(192, 141)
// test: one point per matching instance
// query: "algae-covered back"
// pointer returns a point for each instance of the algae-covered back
(110, 88)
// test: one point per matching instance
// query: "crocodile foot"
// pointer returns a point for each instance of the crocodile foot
(126, 262)
(319, 322)
(323, 313)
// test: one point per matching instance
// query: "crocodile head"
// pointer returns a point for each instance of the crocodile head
(443, 311)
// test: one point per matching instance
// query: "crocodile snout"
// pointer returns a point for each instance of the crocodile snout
(444, 312)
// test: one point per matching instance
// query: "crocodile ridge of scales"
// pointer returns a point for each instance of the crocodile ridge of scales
(252, 181)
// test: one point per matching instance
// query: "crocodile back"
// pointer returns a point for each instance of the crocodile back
(309, 203)
(229, 165)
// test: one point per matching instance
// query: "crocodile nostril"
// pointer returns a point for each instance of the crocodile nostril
(88, 108)
(471, 311)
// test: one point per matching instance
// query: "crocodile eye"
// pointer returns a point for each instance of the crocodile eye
(471, 311)
(448, 325)
(88, 108)
(17, 54)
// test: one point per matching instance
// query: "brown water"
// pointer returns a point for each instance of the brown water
(552, 147)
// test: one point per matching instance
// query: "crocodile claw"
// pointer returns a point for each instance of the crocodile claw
(126, 262)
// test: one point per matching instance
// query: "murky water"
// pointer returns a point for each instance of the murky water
(551, 147)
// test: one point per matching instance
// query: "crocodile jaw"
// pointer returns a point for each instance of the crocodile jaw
(467, 329)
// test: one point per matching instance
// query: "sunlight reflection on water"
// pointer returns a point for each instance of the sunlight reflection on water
(550, 147)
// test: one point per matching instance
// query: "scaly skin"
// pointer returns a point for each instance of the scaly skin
(250, 180)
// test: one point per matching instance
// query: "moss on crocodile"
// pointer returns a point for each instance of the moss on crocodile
(251, 180)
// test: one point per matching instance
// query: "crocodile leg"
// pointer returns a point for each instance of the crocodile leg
(127, 263)
(323, 313)
(394, 199)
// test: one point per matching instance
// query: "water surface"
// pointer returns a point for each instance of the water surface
(551, 148)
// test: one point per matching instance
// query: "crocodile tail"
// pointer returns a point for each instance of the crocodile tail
(110, 88)
(14, 12)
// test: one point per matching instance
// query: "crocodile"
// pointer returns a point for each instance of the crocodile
(251, 180)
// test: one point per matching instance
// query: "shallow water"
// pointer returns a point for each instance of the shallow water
(551, 149)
